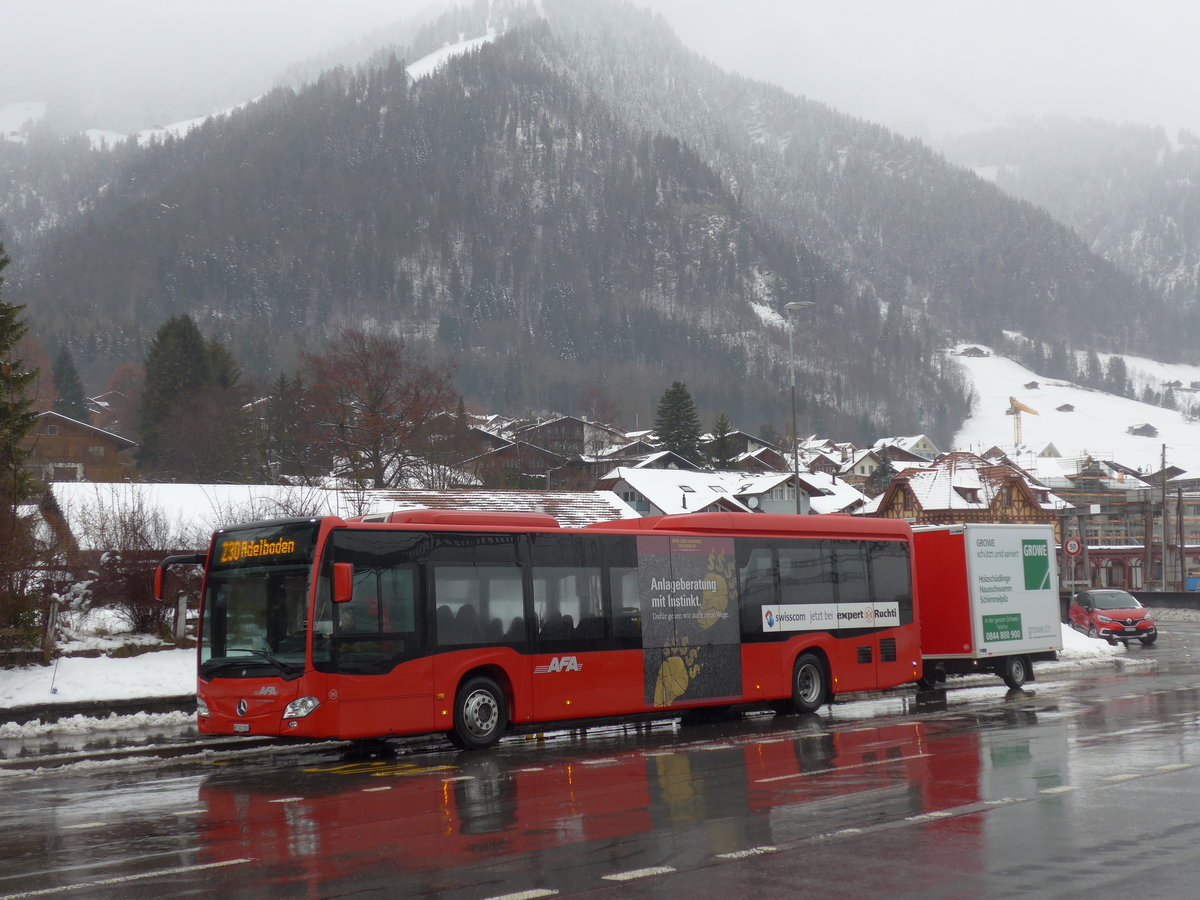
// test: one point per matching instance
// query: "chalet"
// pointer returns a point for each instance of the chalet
(571, 436)
(667, 492)
(1143, 430)
(585, 471)
(860, 467)
(764, 459)
(974, 352)
(919, 445)
(740, 441)
(514, 464)
(1031, 385)
(824, 462)
(65, 449)
(959, 488)
(657, 492)
(1065, 408)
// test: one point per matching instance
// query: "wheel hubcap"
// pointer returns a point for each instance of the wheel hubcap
(807, 684)
(480, 713)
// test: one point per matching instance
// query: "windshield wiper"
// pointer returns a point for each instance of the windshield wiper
(211, 667)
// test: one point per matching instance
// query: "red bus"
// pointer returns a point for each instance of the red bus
(471, 623)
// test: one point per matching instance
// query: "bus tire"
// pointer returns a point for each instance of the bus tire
(1015, 671)
(810, 685)
(480, 714)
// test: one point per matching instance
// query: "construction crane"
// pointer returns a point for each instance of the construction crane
(1015, 408)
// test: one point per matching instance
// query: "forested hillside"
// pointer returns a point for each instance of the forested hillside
(580, 204)
(1131, 192)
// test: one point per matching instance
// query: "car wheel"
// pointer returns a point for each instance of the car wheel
(808, 684)
(1149, 639)
(480, 714)
(1092, 632)
(1015, 671)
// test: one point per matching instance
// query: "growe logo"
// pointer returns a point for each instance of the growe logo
(559, 664)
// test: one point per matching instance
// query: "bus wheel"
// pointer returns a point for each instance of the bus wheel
(1015, 671)
(480, 714)
(808, 684)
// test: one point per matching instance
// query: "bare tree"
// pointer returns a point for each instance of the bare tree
(375, 401)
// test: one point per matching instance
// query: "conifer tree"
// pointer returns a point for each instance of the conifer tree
(17, 416)
(722, 449)
(17, 421)
(879, 479)
(71, 401)
(192, 424)
(677, 424)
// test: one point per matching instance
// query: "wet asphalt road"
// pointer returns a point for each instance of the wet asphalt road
(1086, 784)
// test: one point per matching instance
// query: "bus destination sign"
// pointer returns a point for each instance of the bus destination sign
(233, 551)
(255, 546)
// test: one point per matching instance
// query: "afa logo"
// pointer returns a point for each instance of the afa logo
(559, 664)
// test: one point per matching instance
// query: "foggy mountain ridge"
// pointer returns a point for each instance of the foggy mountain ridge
(1129, 191)
(582, 203)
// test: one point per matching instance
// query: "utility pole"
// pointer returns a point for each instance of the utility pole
(791, 308)
(1162, 475)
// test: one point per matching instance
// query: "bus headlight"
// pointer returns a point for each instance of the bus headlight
(300, 708)
(201, 708)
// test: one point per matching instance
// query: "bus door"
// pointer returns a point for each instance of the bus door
(577, 667)
(856, 631)
(874, 594)
(372, 645)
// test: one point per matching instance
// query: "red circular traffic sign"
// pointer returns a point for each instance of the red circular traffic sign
(1071, 546)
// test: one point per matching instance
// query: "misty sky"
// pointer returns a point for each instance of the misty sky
(924, 67)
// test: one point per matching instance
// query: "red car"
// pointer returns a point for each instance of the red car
(1113, 615)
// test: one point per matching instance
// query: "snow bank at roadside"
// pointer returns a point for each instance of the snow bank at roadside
(75, 679)
(1080, 646)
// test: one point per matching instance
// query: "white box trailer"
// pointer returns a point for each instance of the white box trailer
(987, 597)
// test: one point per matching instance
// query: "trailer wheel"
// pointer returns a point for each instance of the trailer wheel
(809, 683)
(480, 714)
(1015, 671)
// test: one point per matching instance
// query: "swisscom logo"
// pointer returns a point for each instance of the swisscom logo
(1036, 556)
(770, 616)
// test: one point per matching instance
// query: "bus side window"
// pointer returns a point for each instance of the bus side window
(891, 581)
(806, 572)
(852, 585)
(758, 586)
(626, 607)
(567, 604)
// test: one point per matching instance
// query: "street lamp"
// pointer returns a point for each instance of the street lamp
(791, 308)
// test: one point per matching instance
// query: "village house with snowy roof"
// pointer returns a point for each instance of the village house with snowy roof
(960, 488)
(571, 436)
(655, 492)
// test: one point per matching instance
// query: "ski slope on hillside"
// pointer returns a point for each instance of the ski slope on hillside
(1080, 421)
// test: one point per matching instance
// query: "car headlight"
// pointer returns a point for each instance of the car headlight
(301, 707)
(1103, 619)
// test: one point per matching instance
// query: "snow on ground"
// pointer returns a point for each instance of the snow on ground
(1098, 425)
(427, 64)
(79, 679)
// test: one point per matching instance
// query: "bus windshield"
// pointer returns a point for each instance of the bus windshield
(254, 613)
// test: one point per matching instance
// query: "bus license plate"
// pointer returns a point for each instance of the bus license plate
(241, 727)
